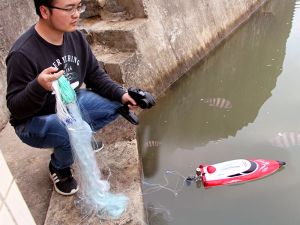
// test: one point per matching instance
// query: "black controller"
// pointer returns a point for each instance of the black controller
(142, 98)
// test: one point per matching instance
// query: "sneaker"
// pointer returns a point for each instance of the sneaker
(63, 180)
(97, 146)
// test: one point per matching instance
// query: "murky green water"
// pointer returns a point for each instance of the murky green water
(242, 102)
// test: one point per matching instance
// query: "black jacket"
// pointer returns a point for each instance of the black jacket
(31, 54)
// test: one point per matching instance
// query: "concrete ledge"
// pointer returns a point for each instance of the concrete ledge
(116, 35)
(29, 167)
(117, 64)
(13, 209)
(124, 178)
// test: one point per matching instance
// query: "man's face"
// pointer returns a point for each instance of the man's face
(65, 14)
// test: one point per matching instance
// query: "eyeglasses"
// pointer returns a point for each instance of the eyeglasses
(70, 10)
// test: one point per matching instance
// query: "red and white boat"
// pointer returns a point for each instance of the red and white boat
(236, 171)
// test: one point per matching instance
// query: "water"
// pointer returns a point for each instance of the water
(233, 105)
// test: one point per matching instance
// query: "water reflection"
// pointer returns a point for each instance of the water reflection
(286, 140)
(243, 71)
(220, 108)
(158, 215)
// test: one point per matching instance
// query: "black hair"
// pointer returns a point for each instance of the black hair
(38, 3)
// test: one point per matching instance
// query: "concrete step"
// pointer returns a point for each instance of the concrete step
(118, 35)
(114, 9)
(115, 46)
(117, 64)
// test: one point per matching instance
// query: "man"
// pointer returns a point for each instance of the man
(49, 49)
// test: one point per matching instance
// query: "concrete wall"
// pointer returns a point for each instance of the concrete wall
(179, 33)
(156, 46)
(15, 17)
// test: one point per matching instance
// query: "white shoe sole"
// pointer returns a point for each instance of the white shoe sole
(99, 149)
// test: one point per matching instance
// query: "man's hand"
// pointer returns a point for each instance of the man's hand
(48, 75)
(126, 99)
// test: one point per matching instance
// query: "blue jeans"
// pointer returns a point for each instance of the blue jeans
(48, 132)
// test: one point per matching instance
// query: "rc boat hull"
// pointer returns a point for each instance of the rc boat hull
(237, 171)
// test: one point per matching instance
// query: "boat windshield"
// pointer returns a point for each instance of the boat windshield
(253, 167)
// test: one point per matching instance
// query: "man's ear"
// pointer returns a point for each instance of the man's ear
(45, 11)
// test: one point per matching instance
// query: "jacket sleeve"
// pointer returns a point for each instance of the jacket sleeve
(99, 81)
(24, 95)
